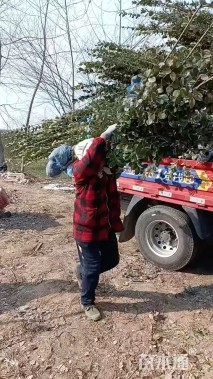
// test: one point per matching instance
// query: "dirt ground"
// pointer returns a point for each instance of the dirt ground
(150, 316)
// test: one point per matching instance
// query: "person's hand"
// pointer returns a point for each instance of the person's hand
(108, 132)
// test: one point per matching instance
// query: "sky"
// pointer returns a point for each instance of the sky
(91, 21)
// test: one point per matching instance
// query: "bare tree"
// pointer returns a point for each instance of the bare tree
(44, 25)
(71, 52)
(42, 43)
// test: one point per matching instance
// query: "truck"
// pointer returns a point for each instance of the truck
(169, 210)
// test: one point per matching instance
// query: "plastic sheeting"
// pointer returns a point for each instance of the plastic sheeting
(58, 161)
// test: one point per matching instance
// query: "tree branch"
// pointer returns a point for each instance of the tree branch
(42, 66)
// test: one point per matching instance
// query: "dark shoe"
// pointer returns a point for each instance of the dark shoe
(78, 275)
(92, 313)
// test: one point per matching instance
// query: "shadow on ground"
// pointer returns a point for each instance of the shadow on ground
(13, 296)
(29, 221)
(203, 264)
(191, 299)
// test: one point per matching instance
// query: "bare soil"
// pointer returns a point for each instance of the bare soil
(147, 311)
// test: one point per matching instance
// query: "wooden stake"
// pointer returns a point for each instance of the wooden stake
(22, 164)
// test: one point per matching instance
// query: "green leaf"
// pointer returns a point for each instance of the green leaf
(148, 72)
(207, 54)
(160, 90)
(198, 95)
(165, 72)
(186, 74)
(183, 92)
(152, 79)
(178, 100)
(170, 62)
(173, 76)
(151, 118)
(176, 93)
(169, 90)
(163, 98)
(162, 115)
(161, 64)
(204, 77)
(192, 102)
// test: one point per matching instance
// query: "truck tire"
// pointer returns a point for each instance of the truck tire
(166, 237)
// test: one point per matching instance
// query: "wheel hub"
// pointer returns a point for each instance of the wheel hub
(162, 238)
(165, 236)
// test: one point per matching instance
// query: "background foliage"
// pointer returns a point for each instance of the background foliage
(173, 111)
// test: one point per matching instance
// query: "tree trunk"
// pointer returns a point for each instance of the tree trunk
(42, 66)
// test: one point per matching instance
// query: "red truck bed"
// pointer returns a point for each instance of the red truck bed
(196, 194)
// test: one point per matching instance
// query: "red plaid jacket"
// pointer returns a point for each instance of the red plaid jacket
(97, 203)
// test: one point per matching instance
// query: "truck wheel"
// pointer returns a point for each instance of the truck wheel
(166, 237)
